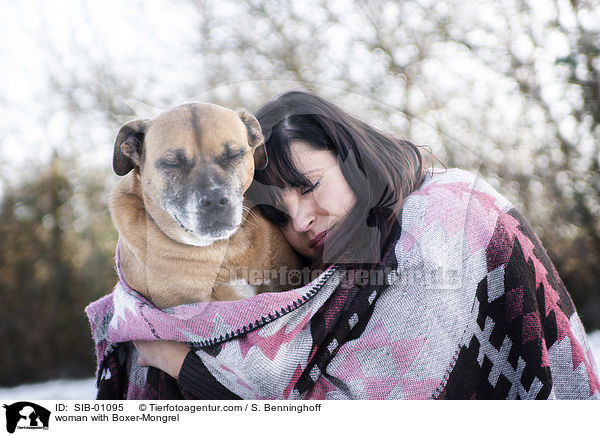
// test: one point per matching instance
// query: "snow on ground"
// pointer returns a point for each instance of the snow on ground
(53, 390)
(594, 340)
(86, 389)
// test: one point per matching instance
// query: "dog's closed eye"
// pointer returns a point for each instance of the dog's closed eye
(230, 157)
(173, 159)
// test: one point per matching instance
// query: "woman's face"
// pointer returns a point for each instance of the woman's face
(315, 211)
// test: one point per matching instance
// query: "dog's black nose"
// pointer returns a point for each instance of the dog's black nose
(213, 199)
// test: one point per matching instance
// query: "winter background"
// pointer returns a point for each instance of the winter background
(508, 89)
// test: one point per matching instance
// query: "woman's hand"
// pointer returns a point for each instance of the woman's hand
(167, 356)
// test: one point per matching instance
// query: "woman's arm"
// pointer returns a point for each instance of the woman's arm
(181, 363)
(167, 356)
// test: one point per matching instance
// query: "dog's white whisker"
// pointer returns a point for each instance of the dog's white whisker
(251, 213)
(249, 210)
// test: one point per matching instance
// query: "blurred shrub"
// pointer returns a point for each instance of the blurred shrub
(57, 256)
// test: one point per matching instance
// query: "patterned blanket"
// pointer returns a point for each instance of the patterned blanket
(465, 304)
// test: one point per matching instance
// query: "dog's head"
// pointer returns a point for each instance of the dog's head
(195, 162)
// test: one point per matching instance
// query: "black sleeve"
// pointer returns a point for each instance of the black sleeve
(195, 378)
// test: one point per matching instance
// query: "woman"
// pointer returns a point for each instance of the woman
(435, 286)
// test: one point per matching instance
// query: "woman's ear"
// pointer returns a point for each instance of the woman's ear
(255, 139)
(128, 147)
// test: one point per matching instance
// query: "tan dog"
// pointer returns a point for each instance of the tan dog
(185, 234)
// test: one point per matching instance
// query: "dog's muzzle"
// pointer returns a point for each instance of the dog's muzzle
(218, 213)
(214, 201)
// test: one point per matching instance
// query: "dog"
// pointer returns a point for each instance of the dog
(186, 234)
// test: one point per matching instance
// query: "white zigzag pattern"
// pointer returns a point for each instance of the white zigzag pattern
(500, 365)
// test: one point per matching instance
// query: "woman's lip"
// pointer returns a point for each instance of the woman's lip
(318, 240)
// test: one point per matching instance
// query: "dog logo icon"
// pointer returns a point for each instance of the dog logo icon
(26, 415)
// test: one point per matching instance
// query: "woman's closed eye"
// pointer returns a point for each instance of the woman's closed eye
(312, 188)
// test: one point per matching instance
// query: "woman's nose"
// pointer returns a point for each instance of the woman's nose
(302, 221)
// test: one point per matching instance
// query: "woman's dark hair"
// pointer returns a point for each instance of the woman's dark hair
(380, 169)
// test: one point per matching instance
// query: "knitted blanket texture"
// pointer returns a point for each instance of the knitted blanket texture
(465, 304)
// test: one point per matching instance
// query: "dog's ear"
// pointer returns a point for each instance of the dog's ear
(129, 144)
(255, 139)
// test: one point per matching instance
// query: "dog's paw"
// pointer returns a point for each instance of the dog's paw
(235, 290)
(243, 288)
